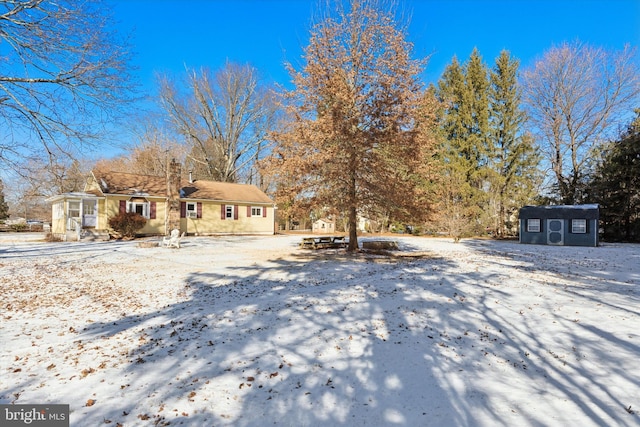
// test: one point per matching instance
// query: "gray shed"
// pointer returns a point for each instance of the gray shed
(568, 225)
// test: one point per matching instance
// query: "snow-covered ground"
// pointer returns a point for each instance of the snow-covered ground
(252, 331)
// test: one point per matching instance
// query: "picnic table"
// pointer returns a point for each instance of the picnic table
(323, 242)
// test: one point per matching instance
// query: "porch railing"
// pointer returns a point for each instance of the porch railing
(74, 225)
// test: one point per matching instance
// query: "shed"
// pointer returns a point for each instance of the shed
(324, 226)
(562, 225)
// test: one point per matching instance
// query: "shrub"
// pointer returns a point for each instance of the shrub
(50, 237)
(19, 227)
(127, 224)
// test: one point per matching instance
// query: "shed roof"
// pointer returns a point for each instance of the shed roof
(325, 220)
(590, 211)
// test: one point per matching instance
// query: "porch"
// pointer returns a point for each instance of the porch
(75, 217)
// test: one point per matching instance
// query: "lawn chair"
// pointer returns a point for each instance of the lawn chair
(173, 241)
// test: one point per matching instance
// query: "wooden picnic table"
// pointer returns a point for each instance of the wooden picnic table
(323, 242)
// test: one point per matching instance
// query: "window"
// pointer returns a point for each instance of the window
(230, 212)
(74, 209)
(58, 210)
(533, 225)
(141, 208)
(192, 210)
(256, 211)
(579, 226)
(89, 208)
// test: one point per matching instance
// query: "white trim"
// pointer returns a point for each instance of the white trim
(529, 223)
(582, 228)
(259, 209)
(146, 208)
(560, 231)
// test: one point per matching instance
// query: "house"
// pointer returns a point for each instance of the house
(568, 225)
(194, 207)
(323, 226)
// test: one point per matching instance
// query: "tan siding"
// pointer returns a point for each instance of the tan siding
(210, 223)
(153, 226)
(92, 185)
(101, 219)
(58, 221)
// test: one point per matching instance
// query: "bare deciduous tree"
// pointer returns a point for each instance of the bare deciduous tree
(224, 118)
(575, 96)
(150, 155)
(63, 73)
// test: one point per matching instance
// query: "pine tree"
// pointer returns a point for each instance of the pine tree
(466, 139)
(514, 159)
(616, 185)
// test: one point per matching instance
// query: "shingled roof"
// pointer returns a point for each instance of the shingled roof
(133, 184)
(130, 184)
(223, 191)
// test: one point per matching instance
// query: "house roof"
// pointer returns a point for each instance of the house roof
(223, 191)
(148, 185)
(130, 184)
(71, 195)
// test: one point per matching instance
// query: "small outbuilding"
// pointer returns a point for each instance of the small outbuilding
(562, 225)
(324, 226)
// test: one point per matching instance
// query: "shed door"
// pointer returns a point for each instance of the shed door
(555, 232)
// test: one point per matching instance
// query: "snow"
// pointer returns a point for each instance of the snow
(252, 331)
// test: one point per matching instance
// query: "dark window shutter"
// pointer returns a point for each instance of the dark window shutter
(123, 206)
(199, 210)
(152, 210)
(183, 209)
(235, 211)
(264, 211)
(248, 211)
(223, 212)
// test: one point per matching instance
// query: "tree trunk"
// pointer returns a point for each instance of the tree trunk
(353, 208)
(353, 230)
(500, 232)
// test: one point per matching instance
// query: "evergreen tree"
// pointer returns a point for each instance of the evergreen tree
(616, 185)
(467, 146)
(479, 144)
(515, 161)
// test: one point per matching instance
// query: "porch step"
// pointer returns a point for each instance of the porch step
(90, 235)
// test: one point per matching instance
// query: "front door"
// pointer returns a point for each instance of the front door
(89, 210)
(555, 232)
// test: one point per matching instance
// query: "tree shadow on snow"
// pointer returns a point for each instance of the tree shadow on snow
(335, 339)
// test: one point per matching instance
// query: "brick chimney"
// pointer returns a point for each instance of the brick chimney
(173, 196)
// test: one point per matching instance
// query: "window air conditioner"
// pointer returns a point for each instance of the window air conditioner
(192, 214)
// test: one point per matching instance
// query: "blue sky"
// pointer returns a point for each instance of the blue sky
(169, 35)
